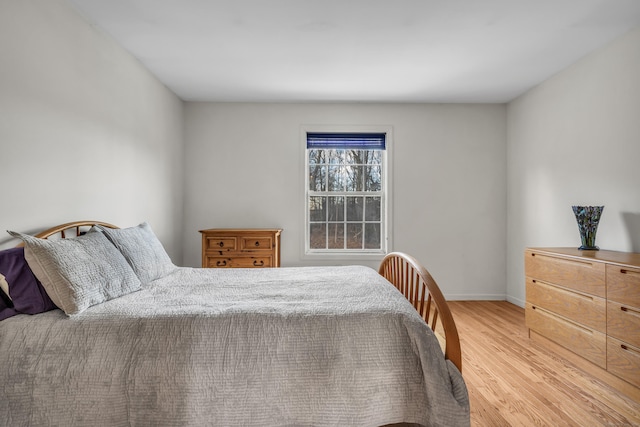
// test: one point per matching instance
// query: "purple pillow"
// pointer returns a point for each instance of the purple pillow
(26, 292)
(6, 307)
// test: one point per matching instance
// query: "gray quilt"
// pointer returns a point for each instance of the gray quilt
(325, 346)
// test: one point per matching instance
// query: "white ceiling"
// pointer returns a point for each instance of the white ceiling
(359, 50)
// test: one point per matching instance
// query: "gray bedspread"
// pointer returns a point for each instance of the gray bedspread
(325, 346)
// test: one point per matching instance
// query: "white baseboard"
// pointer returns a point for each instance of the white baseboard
(475, 297)
(516, 301)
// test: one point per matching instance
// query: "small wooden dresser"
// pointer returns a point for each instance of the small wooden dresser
(241, 247)
(587, 302)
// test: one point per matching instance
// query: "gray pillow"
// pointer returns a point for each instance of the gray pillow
(142, 249)
(79, 272)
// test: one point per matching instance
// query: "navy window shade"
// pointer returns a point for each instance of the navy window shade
(349, 141)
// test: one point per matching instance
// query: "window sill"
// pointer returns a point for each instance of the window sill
(364, 256)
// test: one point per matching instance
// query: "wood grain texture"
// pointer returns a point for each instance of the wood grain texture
(623, 360)
(582, 308)
(588, 343)
(514, 381)
(241, 247)
(623, 322)
(623, 283)
(581, 274)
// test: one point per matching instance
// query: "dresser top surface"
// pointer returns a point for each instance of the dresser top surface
(242, 230)
(625, 258)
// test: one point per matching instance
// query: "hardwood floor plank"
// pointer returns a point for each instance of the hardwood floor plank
(514, 381)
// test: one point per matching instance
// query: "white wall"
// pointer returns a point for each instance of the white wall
(85, 131)
(245, 169)
(575, 139)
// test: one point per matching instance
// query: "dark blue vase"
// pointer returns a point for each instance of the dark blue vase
(588, 218)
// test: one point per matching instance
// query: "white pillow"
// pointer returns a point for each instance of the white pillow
(79, 272)
(142, 249)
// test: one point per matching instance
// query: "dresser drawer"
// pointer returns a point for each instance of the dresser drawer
(239, 262)
(623, 322)
(582, 308)
(582, 274)
(623, 361)
(588, 343)
(623, 285)
(221, 243)
(253, 244)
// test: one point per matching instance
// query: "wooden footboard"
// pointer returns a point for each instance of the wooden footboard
(417, 285)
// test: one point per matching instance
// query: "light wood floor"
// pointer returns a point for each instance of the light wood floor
(513, 381)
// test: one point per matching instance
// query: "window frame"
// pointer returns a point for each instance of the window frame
(386, 202)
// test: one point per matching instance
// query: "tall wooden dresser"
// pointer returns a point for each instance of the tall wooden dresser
(588, 302)
(240, 247)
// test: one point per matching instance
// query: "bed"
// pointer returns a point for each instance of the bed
(134, 340)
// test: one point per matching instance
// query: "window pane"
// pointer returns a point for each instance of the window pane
(317, 178)
(317, 208)
(372, 209)
(372, 178)
(317, 236)
(354, 236)
(354, 178)
(336, 236)
(335, 209)
(336, 178)
(354, 157)
(364, 157)
(373, 157)
(316, 157)
(335, 157)
(354, 208)
(372, 236)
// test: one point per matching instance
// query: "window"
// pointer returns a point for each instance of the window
(346, 200)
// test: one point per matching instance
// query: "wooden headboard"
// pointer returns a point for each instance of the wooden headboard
(70, 229)
(76, 227)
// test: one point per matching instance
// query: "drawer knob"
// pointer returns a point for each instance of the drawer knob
(630, 310)
(221, 263)
(257, 244)
(221, 244)
(629, 349)
(629, 272)
(258, 264)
